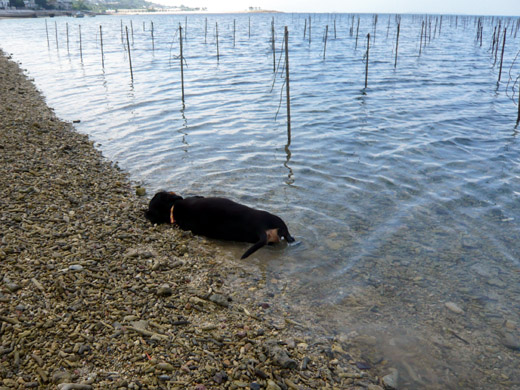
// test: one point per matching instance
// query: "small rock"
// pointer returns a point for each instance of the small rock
(453, 307)
(164, 366)
(220, 377)
(280, 357)
(259, 373)
(271, 385)
(496, 282)
(254, 386)
(511, 325)
(61, 376)
(363, 366)
(164, 291)
(13, 287)
(164, 377)
(390, 380)
(305, 363)
(219, 299)
(511, 341)
(140, 191)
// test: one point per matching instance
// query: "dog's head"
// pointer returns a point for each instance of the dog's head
(160, 206)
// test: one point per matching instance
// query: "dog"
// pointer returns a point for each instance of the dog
(218, 218)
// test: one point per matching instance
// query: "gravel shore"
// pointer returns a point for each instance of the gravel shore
(92, 296)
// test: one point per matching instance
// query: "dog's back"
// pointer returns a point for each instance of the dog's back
(218, 218)
(223, 219)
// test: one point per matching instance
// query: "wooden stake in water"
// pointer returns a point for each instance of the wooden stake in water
(206, 31)
(498, 41)
(309, 29)
(56, 33)
(397, 43)
(335, 36)
(502, 55)
(101, 40)
(132, 31)
(67, 29)
(153, 42)
(182, 64)
(325, 45)
(366, 66)
(287, 89)
(305, 28)
(122, 39)
(47, 32)
(420, 42)
(518, 118)
(234, 31)
(80, 44)
(129, 55)
(216, 33)
(357, 33)
(249, 28)
(272, 45)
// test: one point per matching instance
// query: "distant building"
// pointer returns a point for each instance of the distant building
(29, 4)
(4, 4)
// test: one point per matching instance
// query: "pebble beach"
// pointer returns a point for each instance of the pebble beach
(92, 296)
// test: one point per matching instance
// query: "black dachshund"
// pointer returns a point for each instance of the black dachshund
(218, 218)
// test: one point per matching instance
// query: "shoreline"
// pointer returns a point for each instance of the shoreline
(92, 294)
(16, 14)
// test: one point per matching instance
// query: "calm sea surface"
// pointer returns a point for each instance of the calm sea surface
(403, 196)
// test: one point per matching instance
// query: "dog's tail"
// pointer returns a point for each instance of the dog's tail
(254, 248)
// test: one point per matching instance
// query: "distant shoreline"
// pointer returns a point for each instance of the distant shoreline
(15, 14)
(30, 13)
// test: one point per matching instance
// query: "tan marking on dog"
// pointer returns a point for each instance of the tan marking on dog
(172, 219)
(272, 235)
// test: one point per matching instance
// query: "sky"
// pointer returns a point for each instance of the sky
(472, 7)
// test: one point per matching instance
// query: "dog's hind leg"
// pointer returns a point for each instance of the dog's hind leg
(258, 245)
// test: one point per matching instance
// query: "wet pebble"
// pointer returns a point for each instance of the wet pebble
(511, 341)
(390, 380)
(454, 307)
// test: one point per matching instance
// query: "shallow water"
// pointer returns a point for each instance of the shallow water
(403, 196)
